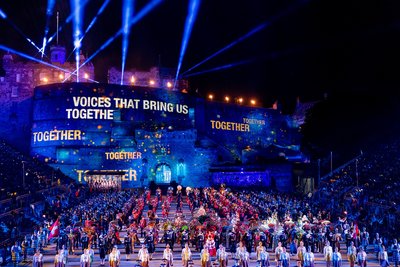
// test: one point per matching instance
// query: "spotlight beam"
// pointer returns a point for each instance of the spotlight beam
(190, 19)
(127, 11)
(255, 30)
(77, 32)
(68, 20)
(242, 38)
(8, 49)
(4, 16)
(270, 56)
(150, 6)
(106, 2)
(49, 13)
(223, 67)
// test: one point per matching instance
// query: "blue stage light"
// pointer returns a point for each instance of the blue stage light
(49, 13)
(77, 10)
(127, 10)
(2, 14)
(68, 20)
(223, 67)
(253, 31)
(242, 38)
(190, 19)
(143, 12)
(102, 8)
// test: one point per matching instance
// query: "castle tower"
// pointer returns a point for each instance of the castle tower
(57, 54)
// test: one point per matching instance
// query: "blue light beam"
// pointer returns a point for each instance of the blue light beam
(242, 38)
(223, 67)
(77, 32)
(149, 7)
(49, 13)
(255, 30)
(270, 56)
(2, 14)
(190, 19)
(68, 20)
(127, 11)
(102, 8)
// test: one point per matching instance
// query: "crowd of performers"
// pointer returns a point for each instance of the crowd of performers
(223, 226)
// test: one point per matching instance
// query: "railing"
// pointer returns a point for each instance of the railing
(338, 169)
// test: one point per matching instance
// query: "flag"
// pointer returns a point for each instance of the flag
(357, 230)
(54, 229)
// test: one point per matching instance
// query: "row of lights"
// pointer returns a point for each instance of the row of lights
(61, 77)
(151, 82)
(238, 100)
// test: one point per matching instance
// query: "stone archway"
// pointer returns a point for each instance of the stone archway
(163, 174)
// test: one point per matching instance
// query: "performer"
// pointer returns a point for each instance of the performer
(278, 252)
(321, 240)
(248, 238)
(365, 239)
(184, 238)
(114, 259)
(337, 237)
(383, 257)
(158, 194)
(65, 254)
(90, 252)
(328, 254)
(262, 255)
(210, 245)
(309, 258)
(205, 258)
(24, 247)
(144, 256)
(222, 256)
(285, 258)
(377, 244)
(59, 259)
(85, 259)
(186, 256)
(37, 260)
(128, 248)
(362, 258)
(396, 253)
(15, 253)
(150, 243)
(170, 237)
(200, 240)
(351, 254)
(241, 255)
(301, 250)
(168, 257)
(34, 240)
(71, 242)
(232, 242)
(102, 252)
(337, 258)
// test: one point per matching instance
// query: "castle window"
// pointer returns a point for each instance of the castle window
(18, 78)
(1, 79)
(14, 91)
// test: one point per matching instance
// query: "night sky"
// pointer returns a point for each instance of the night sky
(316, 47)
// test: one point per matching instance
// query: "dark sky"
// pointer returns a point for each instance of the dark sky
(321, 46)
